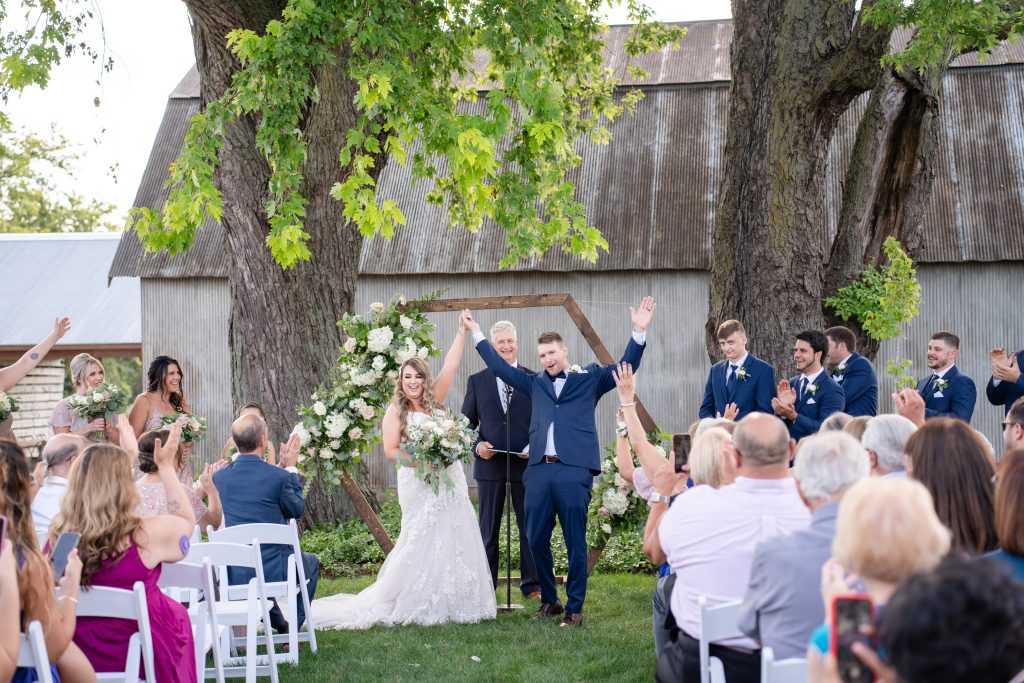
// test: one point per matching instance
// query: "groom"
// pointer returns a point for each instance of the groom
(564, 452)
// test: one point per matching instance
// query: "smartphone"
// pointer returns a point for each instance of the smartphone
(681, 448)
(849, 613)
(59, 556)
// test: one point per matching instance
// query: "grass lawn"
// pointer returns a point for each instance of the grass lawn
(614, 643)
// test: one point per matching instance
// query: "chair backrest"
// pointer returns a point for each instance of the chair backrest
(792, 670)
(32, 652)
(716, 623)
(117, 603)
(278, 534)
(226, 554)
(194, 578)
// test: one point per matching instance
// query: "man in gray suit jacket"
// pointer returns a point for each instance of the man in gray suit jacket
(783, 604)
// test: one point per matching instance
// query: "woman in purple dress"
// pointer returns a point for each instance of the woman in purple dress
(118, 548)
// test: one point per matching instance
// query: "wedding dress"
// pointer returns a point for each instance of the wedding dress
(437, 572)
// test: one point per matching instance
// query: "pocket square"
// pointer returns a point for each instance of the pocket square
(937, 394)
(838, 378)
(810, 401)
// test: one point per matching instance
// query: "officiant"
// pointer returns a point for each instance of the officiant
(496, 410)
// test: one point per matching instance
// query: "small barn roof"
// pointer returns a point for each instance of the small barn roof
(46, 276)
(653, 191)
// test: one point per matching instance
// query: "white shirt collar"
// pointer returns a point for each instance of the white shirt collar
(740, 362)
(810, 378)
(942, 373)
(54, 480)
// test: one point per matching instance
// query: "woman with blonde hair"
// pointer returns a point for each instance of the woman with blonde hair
(35, 579)
(118, 548)
(86, 373)
(438, 571)
(709, 462)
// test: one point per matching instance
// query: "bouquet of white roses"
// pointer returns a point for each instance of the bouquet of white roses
(192, 429)
(8, 405)
(103, 401)
(436, 443)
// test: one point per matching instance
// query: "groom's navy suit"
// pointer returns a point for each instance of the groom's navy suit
(559, 483)
(483, 406)
(753, 394)
(956, 400)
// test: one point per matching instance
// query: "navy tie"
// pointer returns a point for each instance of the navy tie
(730, 382)
(803, 387)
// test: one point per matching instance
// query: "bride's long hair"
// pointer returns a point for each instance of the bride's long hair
(404, 403)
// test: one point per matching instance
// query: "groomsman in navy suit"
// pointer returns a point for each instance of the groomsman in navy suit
(853, 372)
(565, 454)
(740, 384)
(947, 392)
(804, 401)
(497, 410)
(1006, 384)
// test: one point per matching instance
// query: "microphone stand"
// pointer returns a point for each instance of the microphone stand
(508, 606)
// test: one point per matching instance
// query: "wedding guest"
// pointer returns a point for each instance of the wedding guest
(59, 455)
(886, 530)
(853, 372)
(255, 492)
(1006, 384)
(740, 384)
(856, 426)
(1010, 512)
(885, 439)
(86, 373)
(153, 497)
(624, 461)
(707, 423)
(708, 536)
(1013, 426)
(10, 607)
(230, 450)
(804, 401)
(710, 459)
(947, 392)
(38, 602)
(910, 404)
(949, 458)
(836, 422)
(782, 605)
(14, 373)
(118, 548)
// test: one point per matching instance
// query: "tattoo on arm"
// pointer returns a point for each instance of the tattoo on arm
(34, 356)
(173, 506)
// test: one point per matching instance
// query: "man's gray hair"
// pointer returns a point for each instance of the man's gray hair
(61, 448)
(247, 431)
(503, 326)
(828, 463)
(710, 423)
(886, 436)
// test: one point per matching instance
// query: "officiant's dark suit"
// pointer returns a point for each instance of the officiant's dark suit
(485, 408)
(560, 474)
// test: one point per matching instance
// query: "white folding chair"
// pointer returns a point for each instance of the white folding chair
(793, 670)
(189, 579)
(252, 610)
(294, 587)
(716, 623)
(32, 652)
(116, 603)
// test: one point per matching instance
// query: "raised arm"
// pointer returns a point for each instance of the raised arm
(451, 365)
(13, 374)
(164, 533)
(519, 381)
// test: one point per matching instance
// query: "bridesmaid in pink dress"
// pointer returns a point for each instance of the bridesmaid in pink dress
(12, 374)
(121, 548)
(164, 395)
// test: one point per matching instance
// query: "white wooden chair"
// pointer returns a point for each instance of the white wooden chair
(792, 670)
(188, 580)
(716, 623)
(251, 611)
(32, 652)
(116, 603)
(295, 586)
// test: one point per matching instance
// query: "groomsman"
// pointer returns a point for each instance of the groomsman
(853, 372)
(947, 392)
(806, 400)
(496, 407)
(1006, 384)
(740, 384)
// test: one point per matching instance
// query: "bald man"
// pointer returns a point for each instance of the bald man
(58, 454)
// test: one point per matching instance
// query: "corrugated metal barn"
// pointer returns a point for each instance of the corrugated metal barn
(653, 194)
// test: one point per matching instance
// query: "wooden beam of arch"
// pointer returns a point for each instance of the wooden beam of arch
(565, 300)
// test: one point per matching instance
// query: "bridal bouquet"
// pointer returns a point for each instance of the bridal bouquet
(104, 401)
(192, 429)
(8, 405)
(436, 443)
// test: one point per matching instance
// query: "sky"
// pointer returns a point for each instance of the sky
(111, 118)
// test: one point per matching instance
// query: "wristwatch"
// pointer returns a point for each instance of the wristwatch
(659, 498)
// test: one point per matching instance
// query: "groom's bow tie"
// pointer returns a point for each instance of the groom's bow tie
(560, 375)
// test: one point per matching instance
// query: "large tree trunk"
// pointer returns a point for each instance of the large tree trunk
(284, 335)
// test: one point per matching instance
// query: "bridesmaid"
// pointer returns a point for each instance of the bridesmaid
(86, 373)
(163, 396)
(12, 374)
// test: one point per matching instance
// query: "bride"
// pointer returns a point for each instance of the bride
(437, 572)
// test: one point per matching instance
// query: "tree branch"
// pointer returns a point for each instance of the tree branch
(856, 68)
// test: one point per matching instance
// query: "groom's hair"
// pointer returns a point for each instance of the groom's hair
(730, 327)
(550, 338)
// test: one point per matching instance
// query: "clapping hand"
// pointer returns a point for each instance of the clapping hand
(625, 382)
(289, 452)
(1004, 366)
(910, 405)
(731, 411)
(641, 316)
(784, 403)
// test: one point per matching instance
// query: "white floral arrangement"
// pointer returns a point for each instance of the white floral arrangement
(192, 429)
(103, 401)
(436, 443)
(8, 405)
(342, 422)
(613, 501)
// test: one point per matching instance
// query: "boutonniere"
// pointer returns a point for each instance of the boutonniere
(575, 369)
(742, 374)
(941, 384)
(841, 368)
(812, 389)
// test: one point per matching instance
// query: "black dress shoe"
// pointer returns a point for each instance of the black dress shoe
(549, 609)
(571, 619)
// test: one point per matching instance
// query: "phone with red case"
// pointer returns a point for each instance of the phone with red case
(849, 613)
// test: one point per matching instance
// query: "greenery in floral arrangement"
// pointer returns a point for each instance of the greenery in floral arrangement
(342, 423)
(8, 405)
(614, 503)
